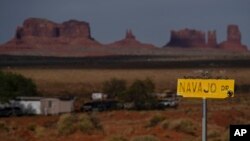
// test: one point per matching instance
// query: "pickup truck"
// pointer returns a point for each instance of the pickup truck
(101, 106)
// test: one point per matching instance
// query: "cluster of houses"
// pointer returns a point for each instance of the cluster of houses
(43, 105)
(60, 105)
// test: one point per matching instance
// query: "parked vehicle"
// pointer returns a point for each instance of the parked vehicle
(169, 103)
(170, 99)
(10, 111)
(101, 106)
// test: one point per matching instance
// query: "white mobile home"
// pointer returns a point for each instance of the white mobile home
(54, 106)
(29, 105)
(44, 105)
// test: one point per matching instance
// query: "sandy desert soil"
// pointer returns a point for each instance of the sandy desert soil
(81, 81)
(129, 124)
(181, 124)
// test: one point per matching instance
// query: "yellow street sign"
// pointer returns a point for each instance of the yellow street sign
(205, 88)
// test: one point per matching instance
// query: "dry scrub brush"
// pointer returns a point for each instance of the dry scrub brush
(69, 123)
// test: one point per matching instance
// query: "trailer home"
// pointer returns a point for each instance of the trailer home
(44, 105)
(54, 106)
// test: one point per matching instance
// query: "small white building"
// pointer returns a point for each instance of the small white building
(55, 106)
(44, 105)
(99, 96)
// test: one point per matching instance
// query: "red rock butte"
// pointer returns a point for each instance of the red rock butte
(73, 38)
(187, 38)
(36, 31)
(233, 41)
(190, 38)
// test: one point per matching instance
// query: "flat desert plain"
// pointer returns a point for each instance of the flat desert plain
(180, 124)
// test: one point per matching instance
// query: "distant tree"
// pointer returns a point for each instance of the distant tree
(114, 87)
(13, 85)
(140, 92)
(150, 86)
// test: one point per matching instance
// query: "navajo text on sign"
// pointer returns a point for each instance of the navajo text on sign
(205, 88)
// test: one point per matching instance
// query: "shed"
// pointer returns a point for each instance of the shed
(98, 96)
(44, 105)
(52, 106)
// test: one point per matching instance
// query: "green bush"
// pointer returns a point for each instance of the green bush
(31, 127)
(39, 131)
(225, 136)
(36, 129)
(212, 133)
(13, 85)
(145, 138)
(140, 93)
(66, 124)
(165, 124)
(184, 125)
(3, 127)
(96, 122)
(114, 87)
(85, 123)
(155, 120)
(117, 138)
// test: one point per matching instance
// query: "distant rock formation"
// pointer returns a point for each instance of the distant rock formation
(233, 34)
(187, 38)
(73, 38)
(190, 38)
(36, 28)
(130, 41)
(75, 29)
(233, 41)
(211, 39)
(42, 31)
(129, 35)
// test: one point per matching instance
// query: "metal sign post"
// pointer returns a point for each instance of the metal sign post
(204, 120)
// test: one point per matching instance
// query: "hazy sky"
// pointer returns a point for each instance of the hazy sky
(150, 20)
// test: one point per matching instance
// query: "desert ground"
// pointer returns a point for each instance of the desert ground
(81, 81)
(180, 124)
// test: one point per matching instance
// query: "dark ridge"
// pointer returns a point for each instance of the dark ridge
(119, 62)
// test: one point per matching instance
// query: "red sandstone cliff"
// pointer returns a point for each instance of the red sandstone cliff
(73, 38)
(38, 32)
(212, 39)
(233, 41)
(187, 38)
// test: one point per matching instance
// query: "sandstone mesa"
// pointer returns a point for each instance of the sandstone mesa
(41, 36)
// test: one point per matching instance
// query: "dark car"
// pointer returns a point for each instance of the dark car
(100, 106)
(10, 111)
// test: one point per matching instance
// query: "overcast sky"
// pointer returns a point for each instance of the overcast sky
(150, 20)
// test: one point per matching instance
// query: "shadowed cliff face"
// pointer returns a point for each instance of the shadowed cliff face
(187, 38)
(75, 29)
(190, 38)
